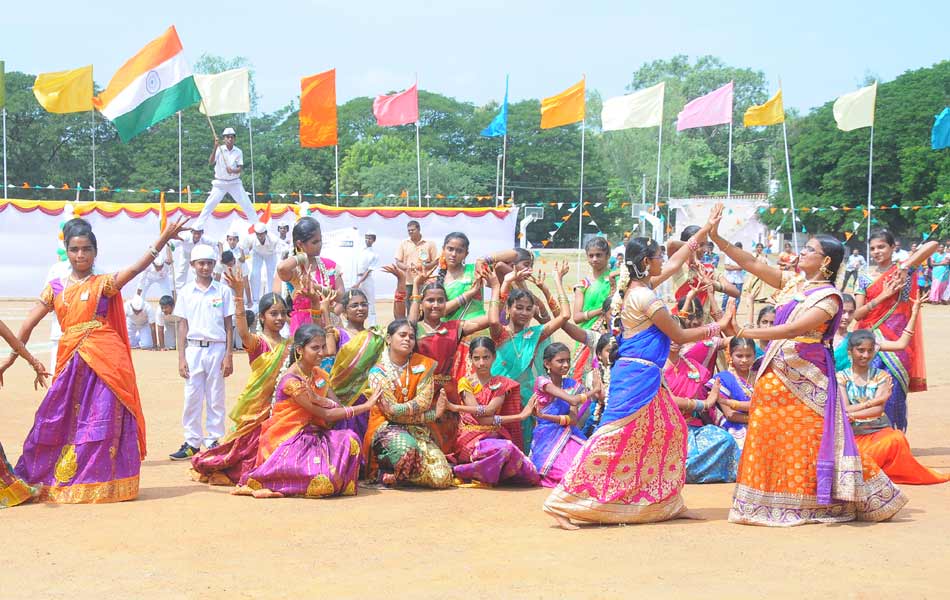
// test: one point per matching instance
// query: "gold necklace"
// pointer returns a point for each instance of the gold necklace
(396, 373)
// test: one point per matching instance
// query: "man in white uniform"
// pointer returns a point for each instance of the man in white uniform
(140, 321)
(366, 269)
(228, 161)
(158, 273)
(182, 255)
(284, 245)
(262, 247)
(206, 308)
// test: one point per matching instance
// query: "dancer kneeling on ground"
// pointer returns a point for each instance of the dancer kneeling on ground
(398, 445)
(867, 389)
(300, 454)
(236, 453)
(485, 452)
(633, 468)
(800, 463)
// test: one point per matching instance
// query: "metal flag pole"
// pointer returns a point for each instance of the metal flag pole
(418, 166)
(180, 189)
(729, 176)
(870, 167)
(791, 196)
(336, 171)
(93, 112)
(659, 151)
(250, 139)
(504, 162)
(4, 152)
(580, 204)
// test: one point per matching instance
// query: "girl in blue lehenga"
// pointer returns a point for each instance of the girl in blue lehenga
(731, 389)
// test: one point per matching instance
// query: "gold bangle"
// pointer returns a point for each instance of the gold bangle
(741, 330)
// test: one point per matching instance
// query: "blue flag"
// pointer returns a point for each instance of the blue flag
(499, 125)
(940, 135)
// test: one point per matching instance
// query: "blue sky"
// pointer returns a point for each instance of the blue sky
(463, 49)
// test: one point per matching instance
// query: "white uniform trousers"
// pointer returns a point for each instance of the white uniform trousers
(204, 388)
(258, 263)
(220, 189)
(140, 336)
(369, 288)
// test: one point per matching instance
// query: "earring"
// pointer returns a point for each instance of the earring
(825, 272)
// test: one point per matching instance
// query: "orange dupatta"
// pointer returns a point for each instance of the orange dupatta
(287, 416)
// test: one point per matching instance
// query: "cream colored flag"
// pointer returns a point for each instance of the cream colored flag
(856, 110)
(224, 93)
(643, 108)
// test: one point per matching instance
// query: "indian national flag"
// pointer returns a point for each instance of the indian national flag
(154, 84)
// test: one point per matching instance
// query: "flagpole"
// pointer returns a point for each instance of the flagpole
(659, 150)
(336, 163)
(418, 166)
(250, 138)
(93, 112)
(729, 176)
(580, 204)
(791, 196)
(4, 152)
(504, 161)
(870, 166)
(179, 158)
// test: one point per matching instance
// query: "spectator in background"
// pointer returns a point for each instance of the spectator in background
(284, 244)
(140, 321)
(734, 275)
(710, 257)
(787, 259)
(262, 247)
(166, 323)
(853, 268)
(900, 255)
(415, 250)
(159, 272)
(366, 273)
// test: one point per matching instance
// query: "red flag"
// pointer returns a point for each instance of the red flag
(398, 109)
(264, 218)
(162, 215)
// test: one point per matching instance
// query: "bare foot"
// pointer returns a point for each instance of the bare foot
(389, 480)
(242, 490)
(219, 479)
(564, 523)
(266, 493)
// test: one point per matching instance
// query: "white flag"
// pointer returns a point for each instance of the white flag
(224, 93)
(856, 110)
(639, 109)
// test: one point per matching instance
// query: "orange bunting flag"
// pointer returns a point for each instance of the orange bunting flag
(564, 108)
(847, 235)
(318, 124)
(865, 212)
(933, 226)
(162, 214)
(545, 242)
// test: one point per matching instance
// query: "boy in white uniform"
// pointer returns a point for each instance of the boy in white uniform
(158, 273)
(262, 247)
(140, 321)
(366, 271)
(228, 161)
(204, 343)
(166, 324)
(182, 255)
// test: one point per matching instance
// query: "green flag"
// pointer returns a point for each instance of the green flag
(3, 87)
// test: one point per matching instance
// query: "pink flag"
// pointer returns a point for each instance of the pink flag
(398, 109)
(715, 108)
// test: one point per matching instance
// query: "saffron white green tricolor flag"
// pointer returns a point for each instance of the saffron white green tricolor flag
(152, 85)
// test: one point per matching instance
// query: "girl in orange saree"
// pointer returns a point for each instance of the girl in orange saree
(884, 305)
(88, 439)
(800, 463)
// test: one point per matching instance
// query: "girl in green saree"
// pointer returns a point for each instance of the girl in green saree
(521, 346)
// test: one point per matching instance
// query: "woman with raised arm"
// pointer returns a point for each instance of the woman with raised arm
(883, 299)
(236, 453)
(305, 269)
(633, 467)
(800, 463)
(88, 439)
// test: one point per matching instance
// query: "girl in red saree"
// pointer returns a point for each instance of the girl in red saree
(88, 439)
(800, 463)
(485, 452)
(884, 306)
(440, 340)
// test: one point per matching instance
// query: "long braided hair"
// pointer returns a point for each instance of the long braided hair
(636, 252)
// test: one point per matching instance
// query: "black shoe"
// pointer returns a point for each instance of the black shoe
(213, 445)
(184, 453)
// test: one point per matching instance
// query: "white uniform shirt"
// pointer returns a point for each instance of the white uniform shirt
(734, 277)
(169, 323)
(225, 158)
(283, 248)
(368, 261)
(254, 245)
(182, 253)
(856, 262)
(205, 310)
(901, 255)
(144, 317)
(239, 252)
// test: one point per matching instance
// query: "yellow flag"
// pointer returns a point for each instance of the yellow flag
(65, 91)
(770, 113)
(564, 108)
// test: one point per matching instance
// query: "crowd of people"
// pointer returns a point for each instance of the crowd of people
(493, 372)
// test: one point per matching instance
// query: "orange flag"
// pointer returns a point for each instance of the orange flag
(318, 110)
(265, 218)
(162, 215)
(564, 108)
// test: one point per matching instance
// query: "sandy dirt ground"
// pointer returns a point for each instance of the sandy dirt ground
(186, 540)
